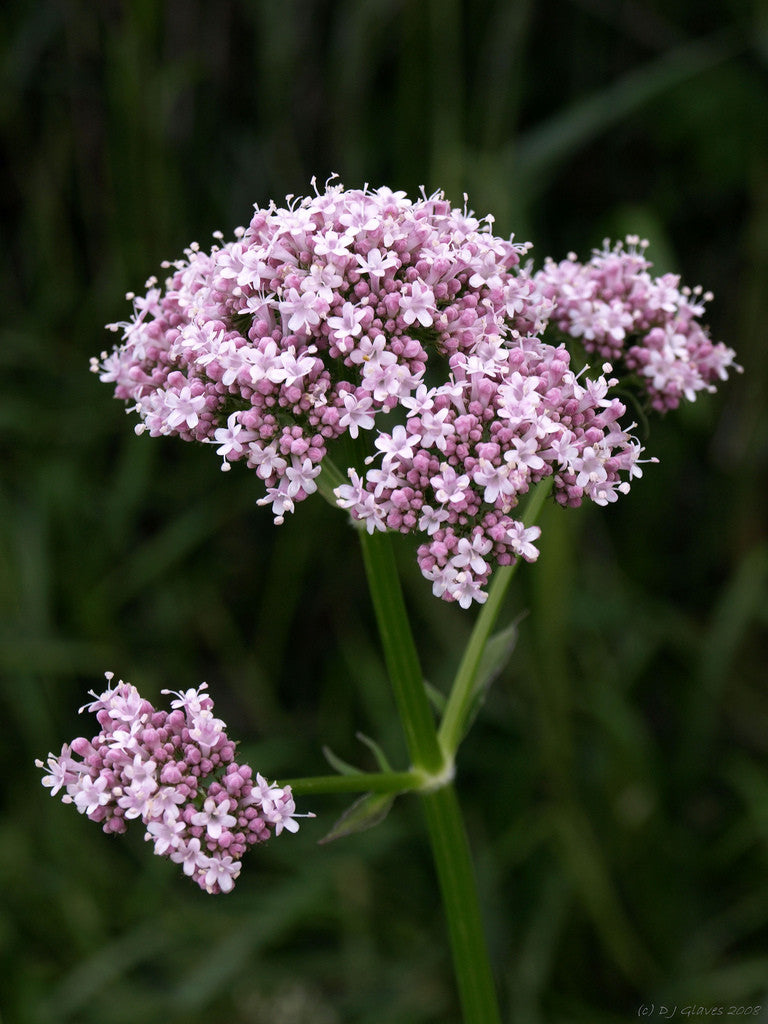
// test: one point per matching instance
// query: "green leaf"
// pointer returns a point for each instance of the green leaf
(437, 698)
(342, 767)
(496, 655)
(494, 660)
(365, 813)
(378, 753)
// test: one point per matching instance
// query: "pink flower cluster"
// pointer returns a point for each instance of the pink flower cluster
(645, 325)
(508, 416)
(176, 772)
(354, 312)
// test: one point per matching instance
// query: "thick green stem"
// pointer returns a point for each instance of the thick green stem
(448, 837)
(453, 860)
(400, 653)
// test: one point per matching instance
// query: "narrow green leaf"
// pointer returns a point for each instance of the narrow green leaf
(378, 753)
(342, 767)
(370, 810)
(459, 705)
(437, 698)
(495, 658)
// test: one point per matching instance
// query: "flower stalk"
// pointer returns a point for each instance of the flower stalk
(448, 837)
(359, 782)
(400, 653)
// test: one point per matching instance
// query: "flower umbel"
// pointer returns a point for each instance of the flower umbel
(324, 317)
(646, 325)
(176, 771)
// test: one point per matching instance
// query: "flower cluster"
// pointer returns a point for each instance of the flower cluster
(176, 772)
(361, 312)
(508, 416)
(645, 325)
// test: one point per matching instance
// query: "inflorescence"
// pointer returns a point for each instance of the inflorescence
(644, 325)
(322, 318)
(176, 771)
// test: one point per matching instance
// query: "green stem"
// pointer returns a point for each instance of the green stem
(453, 860)
(359, 782)
(462, 691)
(448, 837)
(330, 477)
(400, 653)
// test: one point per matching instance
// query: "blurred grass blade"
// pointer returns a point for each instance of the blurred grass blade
(232, 952)
(96, 973)
(596, 889)
(542, 148)
(534, 963)
(743, 601)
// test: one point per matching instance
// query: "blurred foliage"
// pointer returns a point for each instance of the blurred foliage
(616, 781)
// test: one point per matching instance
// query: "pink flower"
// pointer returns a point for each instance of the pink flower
(202, 816)
(449, 486)
(645, 325)
(189, 855)
(63, 770)
(214, 817)
(418, 305)
(184, 408)
(88, 794)
(166, 834)
(301, 310)
(346, 326)
(365, 312)
(356, 416)
(376, 263)
(220, 872)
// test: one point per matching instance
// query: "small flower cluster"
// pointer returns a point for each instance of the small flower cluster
(176, 772)
(355, 312)
(508, 416)
(645, 325)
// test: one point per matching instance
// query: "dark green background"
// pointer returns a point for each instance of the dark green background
(616, 783)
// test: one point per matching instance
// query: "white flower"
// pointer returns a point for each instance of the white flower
(215, 817)
(356, 416)
(166, 834)
(221, 870)
(184, 408)
(419, 305)
(88, 794)
(375, 264)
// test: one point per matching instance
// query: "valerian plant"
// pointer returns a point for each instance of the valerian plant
(417, 370)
